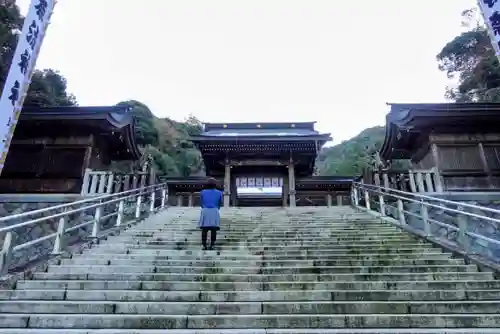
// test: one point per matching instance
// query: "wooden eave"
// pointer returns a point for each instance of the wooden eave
(115, 123)
(241, 140)
(259, 125)
(406, 123)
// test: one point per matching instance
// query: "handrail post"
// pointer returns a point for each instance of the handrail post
(355, 195)
(462, 238)
(138, 205)
(6, 253)
(367, 200)
(163, 197)
(119, 216)
(97, 221)
(401, 212)
(60, 241)
(381, 204)
(152, 204)
(425, 218)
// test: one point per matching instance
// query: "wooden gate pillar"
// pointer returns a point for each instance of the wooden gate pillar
(227, 185)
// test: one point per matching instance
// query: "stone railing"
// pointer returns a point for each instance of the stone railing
(467, 229)
(107, 182)
(30, 236)
(414, 180)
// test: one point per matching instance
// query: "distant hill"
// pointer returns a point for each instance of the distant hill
(351, 156)
(167, 141)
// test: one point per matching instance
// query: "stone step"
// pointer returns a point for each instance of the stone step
(295, 270)
(113, 284)
(276, 295)
(308, 229)
(247, 308)
(217, 256)
(266, 237)
(268, 263)
(332, 246)
(225, 277)
(302, 227)
(113, 321)
(275, 235)
(325, 244)
(276, 251)
(275, 229)
(291, 238)
(259, 331)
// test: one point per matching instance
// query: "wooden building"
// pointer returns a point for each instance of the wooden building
(451, 146)
(53, 148)
(261, 155)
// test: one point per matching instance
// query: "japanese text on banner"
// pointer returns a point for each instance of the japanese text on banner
(21, 69)
(490, 9)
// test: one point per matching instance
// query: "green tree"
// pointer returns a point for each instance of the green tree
(470, 60)
(146, 132)
(350, 157)
(48, 87)
(167, 141)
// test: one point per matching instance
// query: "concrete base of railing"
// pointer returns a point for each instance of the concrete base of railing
(9, 281)
(482, 263)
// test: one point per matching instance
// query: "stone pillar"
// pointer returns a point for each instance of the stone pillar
(179, 200)
(291, 184)
(329, 200)
(339, 200)
(285, 191)
(190, 199)
(227, 185)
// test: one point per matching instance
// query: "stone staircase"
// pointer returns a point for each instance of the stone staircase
(300, 270)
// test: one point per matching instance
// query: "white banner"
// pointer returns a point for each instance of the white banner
(259, 182)
(267, 182)
(21, 70)
(251, 182)
(490, 9)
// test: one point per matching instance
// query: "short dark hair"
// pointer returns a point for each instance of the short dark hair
(211, 183)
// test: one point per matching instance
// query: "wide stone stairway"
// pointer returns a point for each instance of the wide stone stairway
(300, 270)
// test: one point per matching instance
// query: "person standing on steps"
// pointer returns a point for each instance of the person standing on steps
(210, 201)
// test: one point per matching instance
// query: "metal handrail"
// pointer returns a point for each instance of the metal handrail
(431, 198)
(67, 209)
(463, 227)
(83, 201)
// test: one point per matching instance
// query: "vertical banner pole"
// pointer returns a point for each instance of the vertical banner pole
(21, 70)
(490, 10)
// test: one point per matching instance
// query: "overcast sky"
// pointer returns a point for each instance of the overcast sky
(334, 61)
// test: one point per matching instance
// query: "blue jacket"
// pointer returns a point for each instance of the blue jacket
(210, 198)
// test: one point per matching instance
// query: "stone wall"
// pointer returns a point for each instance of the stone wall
(40, 251)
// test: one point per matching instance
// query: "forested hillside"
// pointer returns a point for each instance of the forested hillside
(468, 59)
(351, 156)
(167, 141)
(164, 138)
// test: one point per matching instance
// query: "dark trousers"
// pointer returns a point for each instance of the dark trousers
(204, 235)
